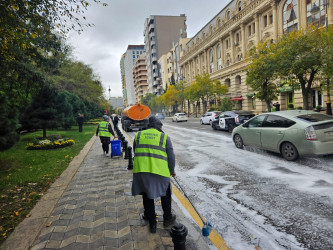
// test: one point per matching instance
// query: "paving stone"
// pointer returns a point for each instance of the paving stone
(125, 240)
(83, 239)
(97, 229)
(53, 244)
(128, 246)
(111, 242)
(68, 241)
(124, 231)
(57, 236)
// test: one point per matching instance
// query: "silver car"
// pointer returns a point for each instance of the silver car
(179, 117)
(292, 133)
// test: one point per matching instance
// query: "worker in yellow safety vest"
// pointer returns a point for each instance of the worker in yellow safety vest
(105, 132)
(154, 163)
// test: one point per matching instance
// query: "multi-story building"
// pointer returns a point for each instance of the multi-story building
(163, 72)
(169, 66)
(116, 102)
(220, 47)
(123, 80)
(132, 52)
(140, 77)
(159, 34)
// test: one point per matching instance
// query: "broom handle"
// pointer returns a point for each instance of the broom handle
(189, 200)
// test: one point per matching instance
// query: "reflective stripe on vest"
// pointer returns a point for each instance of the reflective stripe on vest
(150, 153)
(103, 129)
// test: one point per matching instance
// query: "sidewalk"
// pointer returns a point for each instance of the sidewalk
(90, 207)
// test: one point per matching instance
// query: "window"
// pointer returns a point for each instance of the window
(227, 43)
(274, 121)
(265, 21)
(237, 38)
(317, 99)
(228, 15)
(211, 60)
(249, 29)
(218, 56)
(240, 6)
(256, 122)
(315, 12)
(290, 16)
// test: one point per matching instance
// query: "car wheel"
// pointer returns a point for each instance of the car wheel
(214, 126)
(238, 141)
(201, 122)
(230, 128)
(289, 151)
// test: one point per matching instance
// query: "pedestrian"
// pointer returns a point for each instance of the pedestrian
(104, 130)
(79, 120)
(154, 163)
(277, 106)
(115, 120)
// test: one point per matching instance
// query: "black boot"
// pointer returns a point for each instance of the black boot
(169, 221)
(153, 228)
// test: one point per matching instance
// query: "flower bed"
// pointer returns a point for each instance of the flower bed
(49, 144)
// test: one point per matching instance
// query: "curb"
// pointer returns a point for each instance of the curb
(27, 231)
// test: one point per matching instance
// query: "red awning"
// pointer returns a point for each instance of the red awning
(236, 99)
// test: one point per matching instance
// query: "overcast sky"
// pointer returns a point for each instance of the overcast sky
(121, 23)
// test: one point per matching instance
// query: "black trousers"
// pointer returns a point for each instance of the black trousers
(149, 207)
(80, 127)
(105, 143)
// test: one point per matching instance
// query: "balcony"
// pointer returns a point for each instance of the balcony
(151, 26)
(155, 83)
(153, 51)
(154, 66)
(155, 74)
(154, 58)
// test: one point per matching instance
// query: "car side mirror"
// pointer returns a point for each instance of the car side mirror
(246, 125)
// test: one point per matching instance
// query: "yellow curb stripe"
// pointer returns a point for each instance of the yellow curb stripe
(214, 237)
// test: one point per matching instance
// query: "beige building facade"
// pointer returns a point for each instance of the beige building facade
(140, 77)
(221, 46)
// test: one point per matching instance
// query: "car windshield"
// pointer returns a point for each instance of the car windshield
(315, 117)
(217, 113)
(181, 114)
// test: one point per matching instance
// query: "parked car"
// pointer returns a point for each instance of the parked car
(209, 117)
(159, 116)
(179, 117)
(292, 133)
(228, 120)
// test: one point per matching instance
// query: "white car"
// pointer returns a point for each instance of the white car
(179, 117)
(209, 117)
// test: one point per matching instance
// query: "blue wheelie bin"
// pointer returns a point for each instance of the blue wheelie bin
(115, 148)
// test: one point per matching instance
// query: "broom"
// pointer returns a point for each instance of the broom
(207, 228)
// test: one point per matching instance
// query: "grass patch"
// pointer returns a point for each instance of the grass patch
(25, 175)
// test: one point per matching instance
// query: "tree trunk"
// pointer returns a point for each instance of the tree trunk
(268, 104)
(306, 88)
(44, 132)
(267, 101)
